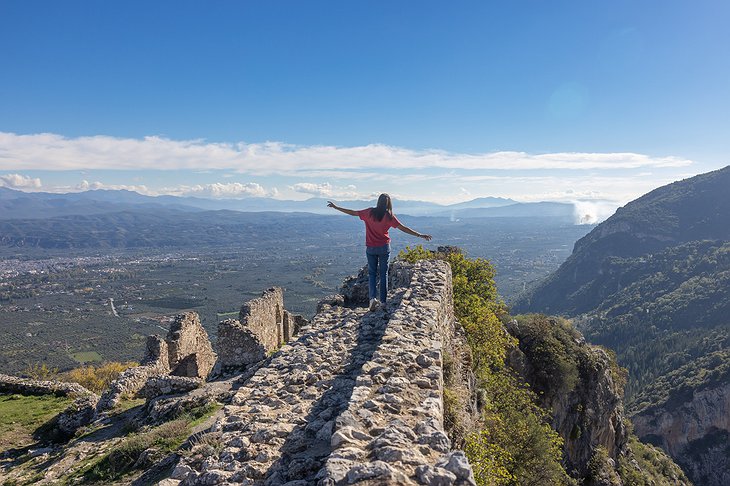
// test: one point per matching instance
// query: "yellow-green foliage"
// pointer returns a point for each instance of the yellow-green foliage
(96, 378)
(655, 468)
(601, 470)
(516, 429)
(40, 371)
(514, 445)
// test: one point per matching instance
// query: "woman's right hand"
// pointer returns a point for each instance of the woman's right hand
(330, 204)
(426, 237)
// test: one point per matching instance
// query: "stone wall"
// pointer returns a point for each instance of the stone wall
(185, 352)
(238, 346)
(262, 327)
(189, 350)
(356, 398)
(25, 386)
(392, 431)
(264, 316)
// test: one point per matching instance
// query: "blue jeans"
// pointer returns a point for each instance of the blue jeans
(378, 257)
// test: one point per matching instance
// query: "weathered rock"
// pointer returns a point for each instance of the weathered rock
(435, 476)
(168, 385)
(694, 431)
(355, 289)
(457, 463)
(165, 407)
(79, 414)
(330, 300)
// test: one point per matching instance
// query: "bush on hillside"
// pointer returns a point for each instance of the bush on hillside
(514, 443)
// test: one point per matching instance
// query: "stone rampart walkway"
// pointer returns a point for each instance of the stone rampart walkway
(357, 398)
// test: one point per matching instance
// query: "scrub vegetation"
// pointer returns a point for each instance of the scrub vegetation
(513, 442)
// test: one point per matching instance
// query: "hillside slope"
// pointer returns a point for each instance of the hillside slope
(653, 283)
(689, 210)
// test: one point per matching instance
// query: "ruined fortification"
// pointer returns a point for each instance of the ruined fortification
(350, 397)
(357, 398)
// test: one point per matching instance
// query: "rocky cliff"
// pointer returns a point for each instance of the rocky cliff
(582, 386)
(690, 418)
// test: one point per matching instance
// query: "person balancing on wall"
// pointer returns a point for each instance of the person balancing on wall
(378, 221)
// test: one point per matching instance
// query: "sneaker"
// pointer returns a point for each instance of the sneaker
(374, 304)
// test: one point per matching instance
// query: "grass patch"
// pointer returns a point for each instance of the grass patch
(168, 437)
(86, 357)
(227, 314)
(126, 404)
(21, 415)
(121, 459)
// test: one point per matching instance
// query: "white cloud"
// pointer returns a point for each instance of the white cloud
(18, 181)
(96, 185)
(47, 151)
(326, 189)
(221, 190)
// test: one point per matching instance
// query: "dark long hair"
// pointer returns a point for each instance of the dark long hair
(385, 206)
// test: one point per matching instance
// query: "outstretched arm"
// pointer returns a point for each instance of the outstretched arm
(406, 229)
(351, 212)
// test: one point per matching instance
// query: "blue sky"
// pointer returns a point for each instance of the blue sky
(440, 101)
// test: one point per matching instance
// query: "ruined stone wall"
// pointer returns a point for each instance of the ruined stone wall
(185, 352)
(393, 427)
(264, 316)
(26, 386)
(262, 327)
(356, 398)
(189, 350)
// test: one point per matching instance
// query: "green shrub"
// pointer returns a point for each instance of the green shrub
(514, 443)
(40, 371)
(646, 465)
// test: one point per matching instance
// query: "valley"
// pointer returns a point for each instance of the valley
(56, 303)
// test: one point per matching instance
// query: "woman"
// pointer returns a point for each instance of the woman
(378, 221)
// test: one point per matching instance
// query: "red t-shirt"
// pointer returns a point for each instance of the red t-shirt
(376, 232)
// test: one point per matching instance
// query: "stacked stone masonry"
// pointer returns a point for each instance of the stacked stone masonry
(262, 327)
(26, 386)
(188, 347)
(185, 352)
(357, 398)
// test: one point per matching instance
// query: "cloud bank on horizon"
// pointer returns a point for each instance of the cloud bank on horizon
(277, 169)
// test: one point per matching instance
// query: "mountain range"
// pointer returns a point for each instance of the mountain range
(31, 205)
(652, 282)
